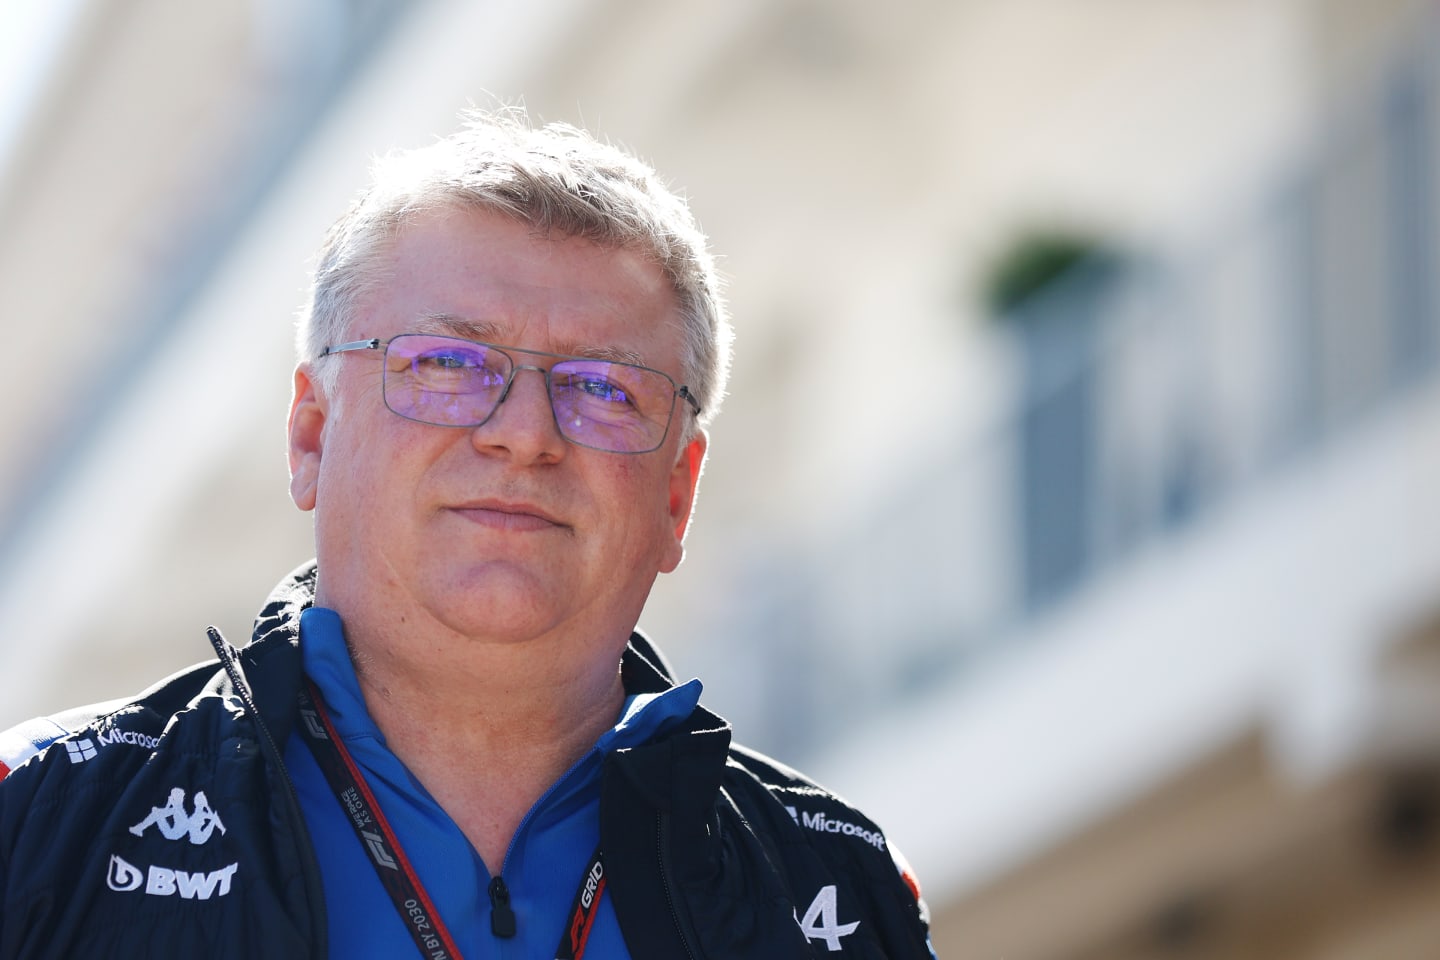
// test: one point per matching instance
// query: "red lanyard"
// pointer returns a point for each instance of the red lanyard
(393, 868)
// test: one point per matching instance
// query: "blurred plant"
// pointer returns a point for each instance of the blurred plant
(1033, 261)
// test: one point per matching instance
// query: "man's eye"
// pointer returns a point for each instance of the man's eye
(449, 361)
(604, 390)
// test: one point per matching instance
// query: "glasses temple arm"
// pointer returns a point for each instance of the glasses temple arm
(690, 399)
(370, 344)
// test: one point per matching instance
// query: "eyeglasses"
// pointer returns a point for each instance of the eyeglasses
(600, 404)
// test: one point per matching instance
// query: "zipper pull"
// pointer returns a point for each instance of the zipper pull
(502, 918)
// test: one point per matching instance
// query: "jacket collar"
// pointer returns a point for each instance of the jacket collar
(271, 667)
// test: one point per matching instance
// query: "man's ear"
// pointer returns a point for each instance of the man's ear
(684, 480)
(306, 429)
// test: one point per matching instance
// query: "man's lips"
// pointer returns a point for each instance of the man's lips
(500, 515)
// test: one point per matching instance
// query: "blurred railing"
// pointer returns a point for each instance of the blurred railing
(1148, 395)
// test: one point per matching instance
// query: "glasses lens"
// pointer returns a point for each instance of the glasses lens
(444, 380)
(611, 406)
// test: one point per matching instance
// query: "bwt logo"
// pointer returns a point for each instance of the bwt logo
(125, 877)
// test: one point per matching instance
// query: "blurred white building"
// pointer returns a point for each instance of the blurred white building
(1117, 605)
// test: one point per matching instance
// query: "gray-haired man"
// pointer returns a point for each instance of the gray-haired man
(446, 738)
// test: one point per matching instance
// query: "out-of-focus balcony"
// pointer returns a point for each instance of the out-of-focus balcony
(1116, 604)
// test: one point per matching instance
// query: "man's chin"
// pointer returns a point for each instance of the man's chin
(499, 603)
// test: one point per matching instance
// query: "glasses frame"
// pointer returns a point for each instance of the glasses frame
(375, 343)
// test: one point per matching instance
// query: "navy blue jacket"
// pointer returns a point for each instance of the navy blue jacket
(166, 826)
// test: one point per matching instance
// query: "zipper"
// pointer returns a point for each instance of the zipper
(502, 915)
(314, 889)
(267, 739)
(662, 853)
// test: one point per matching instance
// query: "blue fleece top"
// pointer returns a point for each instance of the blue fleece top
(543, 866)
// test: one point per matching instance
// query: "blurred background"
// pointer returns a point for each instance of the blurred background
(1074, 508)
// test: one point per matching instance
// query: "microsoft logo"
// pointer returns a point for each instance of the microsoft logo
(80, 750)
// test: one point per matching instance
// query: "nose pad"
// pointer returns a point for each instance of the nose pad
(508, 384)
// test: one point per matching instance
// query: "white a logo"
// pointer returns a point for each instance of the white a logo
(123, 875)
(821, 921)
(175, 823)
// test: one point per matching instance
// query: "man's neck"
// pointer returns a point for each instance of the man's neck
(488, 728)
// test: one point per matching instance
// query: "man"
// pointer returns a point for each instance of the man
(445, 738)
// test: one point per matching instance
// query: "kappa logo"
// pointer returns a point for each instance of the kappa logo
(174, 822)
(822, 920)
(80, 750)
(124, 877)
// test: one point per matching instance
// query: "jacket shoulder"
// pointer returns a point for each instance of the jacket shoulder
(782, 798)
(812, 831)
(155, 826)
(79, 728)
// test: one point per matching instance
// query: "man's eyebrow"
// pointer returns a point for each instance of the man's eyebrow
(451, 325)
(608, 354)
(455, 326)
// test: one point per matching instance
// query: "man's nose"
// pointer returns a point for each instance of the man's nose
(524, 420)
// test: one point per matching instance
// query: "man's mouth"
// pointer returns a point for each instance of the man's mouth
(506, 515)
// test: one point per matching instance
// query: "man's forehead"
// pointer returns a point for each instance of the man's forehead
(484, 275)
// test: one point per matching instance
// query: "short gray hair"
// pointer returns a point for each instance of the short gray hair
(561, 181)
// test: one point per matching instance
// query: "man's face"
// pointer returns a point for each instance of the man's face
(503, 531)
